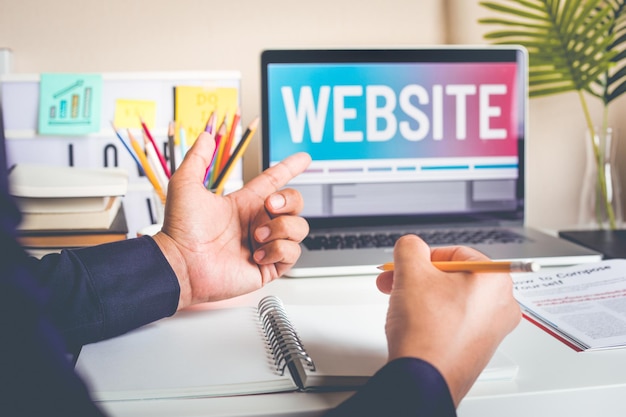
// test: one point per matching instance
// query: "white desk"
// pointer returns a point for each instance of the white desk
(553, 380)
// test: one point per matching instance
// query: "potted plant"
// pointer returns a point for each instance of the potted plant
(573, 45)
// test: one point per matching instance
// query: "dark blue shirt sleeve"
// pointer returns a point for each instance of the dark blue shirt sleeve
(36, 376)
(405, 387)
(99, 292)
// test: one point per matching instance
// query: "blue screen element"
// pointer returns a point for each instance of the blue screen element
(391, 111)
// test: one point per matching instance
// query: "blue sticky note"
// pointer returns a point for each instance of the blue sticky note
(69, 104)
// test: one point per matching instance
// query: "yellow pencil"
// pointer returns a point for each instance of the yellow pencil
(220, 139)
(236, 155)
(478, 266)
(153, 160)
(220, 152)
(146, 167)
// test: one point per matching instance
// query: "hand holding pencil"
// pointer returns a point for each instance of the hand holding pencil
(453, 321)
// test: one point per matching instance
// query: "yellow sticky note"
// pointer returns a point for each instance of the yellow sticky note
(193, 106)
(129, 112)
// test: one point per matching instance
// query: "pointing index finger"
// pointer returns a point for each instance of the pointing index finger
(277, 176)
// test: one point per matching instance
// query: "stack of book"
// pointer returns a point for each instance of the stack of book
(68, 207)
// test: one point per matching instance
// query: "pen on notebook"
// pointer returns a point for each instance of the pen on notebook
(236, 155)
(130, 151)
(478, 266)
(156, 148)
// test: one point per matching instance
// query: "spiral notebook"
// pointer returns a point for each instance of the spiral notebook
(247, 350)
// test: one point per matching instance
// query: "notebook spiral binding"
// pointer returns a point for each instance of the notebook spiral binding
(282, 340)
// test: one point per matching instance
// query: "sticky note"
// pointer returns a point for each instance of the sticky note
(69, 104)
(128, 113)
(193, 106)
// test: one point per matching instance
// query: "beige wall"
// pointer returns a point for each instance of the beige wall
(169, 35)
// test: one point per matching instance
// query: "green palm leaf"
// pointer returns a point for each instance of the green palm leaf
(569, 42)
(573, 45)
(615, 82)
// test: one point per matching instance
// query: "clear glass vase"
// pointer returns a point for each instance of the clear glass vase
(600, 198)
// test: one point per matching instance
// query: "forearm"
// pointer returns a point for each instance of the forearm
(100, 292)
(404, 387)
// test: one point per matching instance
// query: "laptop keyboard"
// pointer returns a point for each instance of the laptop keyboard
(432, 237)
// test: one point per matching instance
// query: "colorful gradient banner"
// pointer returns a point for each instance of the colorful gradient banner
(388, 111)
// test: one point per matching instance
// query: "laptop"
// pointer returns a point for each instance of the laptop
(428, 141)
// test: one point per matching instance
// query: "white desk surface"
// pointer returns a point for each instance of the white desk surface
(553, 379)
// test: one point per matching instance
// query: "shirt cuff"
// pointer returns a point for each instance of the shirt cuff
(403, 387)
(132, 282)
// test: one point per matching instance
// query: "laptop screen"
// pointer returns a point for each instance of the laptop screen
(399, 134)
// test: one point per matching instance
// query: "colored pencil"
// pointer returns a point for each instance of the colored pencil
(146, 167)
(183, 142)
(156, 148)
(171, 147)
(220, 152)
(236, 155)
(210, 123)
(218, 139)
(130, 151)
(153, 159)
(217, 162)
(229, 141)
(478, 266)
